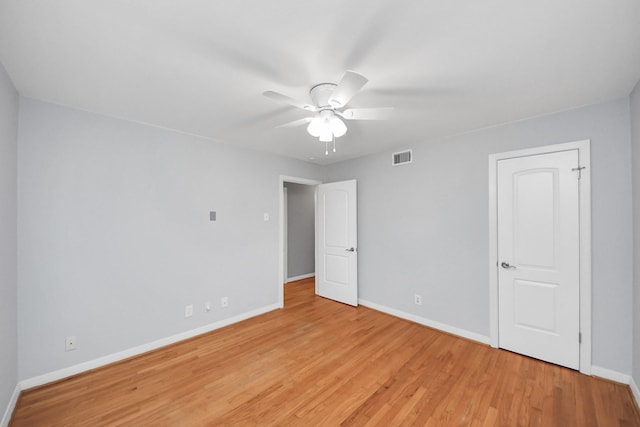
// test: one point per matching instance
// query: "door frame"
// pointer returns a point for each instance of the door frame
(584, 155)
(281, 180)
(285, 234)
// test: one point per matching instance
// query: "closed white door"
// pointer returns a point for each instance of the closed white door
(538, 256)
(336, 241)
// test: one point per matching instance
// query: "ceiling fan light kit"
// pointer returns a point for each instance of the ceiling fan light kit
(328, 99)
(324, 123)
(337, 126)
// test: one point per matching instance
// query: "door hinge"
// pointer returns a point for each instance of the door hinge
(579, 169)
(579, 337)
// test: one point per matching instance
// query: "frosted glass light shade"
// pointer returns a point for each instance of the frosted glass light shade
(337, 126)
(326, 126)
(316, 125)
(326, 135)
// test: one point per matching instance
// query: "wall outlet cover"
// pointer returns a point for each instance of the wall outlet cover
(70, 344)
(224, 302)
(188, 310)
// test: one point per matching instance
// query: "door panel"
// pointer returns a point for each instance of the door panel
(337, 269)
(535, 305)
(538, 256)
(535, 218)
(336, 210)
(337, 272)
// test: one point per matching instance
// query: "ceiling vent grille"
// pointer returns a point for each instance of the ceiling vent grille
(401, 158)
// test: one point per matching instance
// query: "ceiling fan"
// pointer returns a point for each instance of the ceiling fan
(329, 102)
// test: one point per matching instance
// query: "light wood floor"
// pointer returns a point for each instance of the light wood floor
(321, 363)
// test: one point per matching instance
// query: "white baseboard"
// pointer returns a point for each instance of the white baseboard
(115, 357)
(10, 407)
(426, 322)
(608, 374)
(304, 276)
(635, 391)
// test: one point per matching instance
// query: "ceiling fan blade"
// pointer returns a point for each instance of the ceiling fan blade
(350, 84)
(367, 113)
(278, 97)
(296, 123)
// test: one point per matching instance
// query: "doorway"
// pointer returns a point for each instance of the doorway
(299, 231)
(540, 262)
(295, 184)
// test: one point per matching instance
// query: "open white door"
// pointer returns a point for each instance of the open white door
(336, 242)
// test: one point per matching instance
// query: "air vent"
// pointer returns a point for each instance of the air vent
(401, 158)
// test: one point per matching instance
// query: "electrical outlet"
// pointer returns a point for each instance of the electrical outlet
(207, 306)
(70, 344)
(224, 302)
(265, 216)
(417, 299)
(188, 310)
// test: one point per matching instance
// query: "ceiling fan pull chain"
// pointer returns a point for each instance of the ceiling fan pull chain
(334, 143)
(326, 148)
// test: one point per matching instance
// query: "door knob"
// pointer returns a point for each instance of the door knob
(350, 250)
(507, 266)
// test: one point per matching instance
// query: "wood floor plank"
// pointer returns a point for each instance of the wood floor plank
(322, 363)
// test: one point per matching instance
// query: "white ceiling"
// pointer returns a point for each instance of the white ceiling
(447, 66)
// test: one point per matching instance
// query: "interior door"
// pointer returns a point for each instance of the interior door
(538, 256)
(337, 241)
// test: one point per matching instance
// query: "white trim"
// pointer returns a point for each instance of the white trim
(493, 252)
(135, 351)
(635, 390)
(610, 375)
(281, 181)
(584, 155)
(426, 322)
(11, 406)
(302, 276)
(285, 231)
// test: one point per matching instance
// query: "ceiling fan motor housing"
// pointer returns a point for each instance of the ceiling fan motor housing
(321, 93)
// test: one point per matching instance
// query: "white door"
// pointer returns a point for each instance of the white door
(337, 241)
(538, 256)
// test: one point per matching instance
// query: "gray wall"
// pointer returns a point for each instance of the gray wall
(115, 237)
(423, 227)
(635, 141)
(8, 239)
(301, 229)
